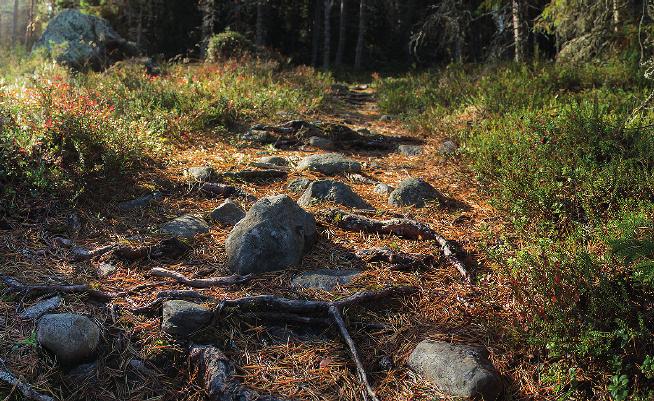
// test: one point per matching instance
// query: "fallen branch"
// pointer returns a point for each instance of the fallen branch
(25, 389)
(28, 290)
(201, 282)
(403, 228)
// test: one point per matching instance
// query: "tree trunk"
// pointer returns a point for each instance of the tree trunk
(261, 27)
(363, 15)
(327, 50)
(14, 27)
(342, 33)
(207, 8)
(317, 28)
(30, 26)
(518, 38)
(139, 27)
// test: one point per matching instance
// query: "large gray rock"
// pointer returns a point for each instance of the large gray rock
(182, 318)
(332, 191)
(70, 337)
(324, 279)
(321, 143)
(329, 164)
(228, 213)
(414, 192)
(274, 235)
(186, 226)
(458, 370)
(83, 41)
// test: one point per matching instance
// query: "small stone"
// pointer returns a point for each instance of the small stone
(70, 337)
(140, 202)
(299, 185)
(201, 174)
(182, 318)
(387, 117)
(383, 189)
(332, 191)
(37, 310)
(448, 148)
(413, 192)
(273, 160)
(324, 279)
(80, 253)
(228, 213)
(457, 370)
(321, 143)
(62, 242)
(330, 164)
(274, 234)
(106, 269)
(259, 136)
(186, 226)
(410, 150)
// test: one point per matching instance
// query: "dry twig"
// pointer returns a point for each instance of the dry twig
(26, 389)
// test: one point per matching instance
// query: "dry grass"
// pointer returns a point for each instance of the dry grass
(305, 366)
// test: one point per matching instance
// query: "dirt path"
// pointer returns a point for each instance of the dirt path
(297, 365)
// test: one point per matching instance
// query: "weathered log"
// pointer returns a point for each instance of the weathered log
(25, 389)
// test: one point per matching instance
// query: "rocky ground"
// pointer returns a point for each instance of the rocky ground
(381, 228)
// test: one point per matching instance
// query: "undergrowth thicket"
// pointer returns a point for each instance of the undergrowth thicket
(563, 153)
(58, 129)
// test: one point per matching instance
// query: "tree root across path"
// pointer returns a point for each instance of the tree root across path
(403, 228)
(212, 363)
(25, 389)
(201, 282)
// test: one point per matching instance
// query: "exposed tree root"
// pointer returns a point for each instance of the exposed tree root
(399, 260)
(169, 295)
(224, 190)
(217, 374)
(28, 290)
(25, 389)
(201, 282)
(169, 248)
(403, 228)
(336, 314)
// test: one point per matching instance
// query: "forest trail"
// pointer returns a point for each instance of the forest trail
(293, 362)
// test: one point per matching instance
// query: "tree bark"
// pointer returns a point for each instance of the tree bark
(342, 33)
(317, 30)
(518, 38)
(363, 15)
(14, 27)
(327, 49)
(261, 28)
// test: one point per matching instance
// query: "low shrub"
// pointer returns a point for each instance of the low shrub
(228, 44)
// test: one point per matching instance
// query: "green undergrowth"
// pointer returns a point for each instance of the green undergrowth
(60, 129)
(563, 153)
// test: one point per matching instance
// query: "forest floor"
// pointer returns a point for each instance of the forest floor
(285, 362)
